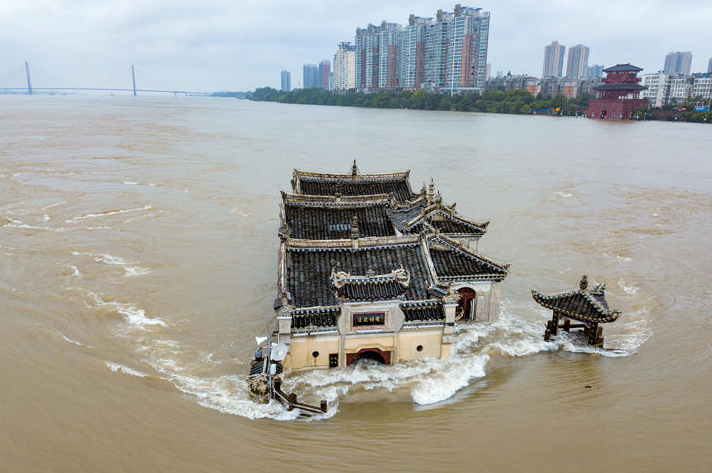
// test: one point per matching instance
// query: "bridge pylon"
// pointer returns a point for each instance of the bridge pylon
(29, 82)
(133, 78)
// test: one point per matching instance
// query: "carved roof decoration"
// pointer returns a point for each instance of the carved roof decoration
(445, 219)
(588, 305)
(371, 287)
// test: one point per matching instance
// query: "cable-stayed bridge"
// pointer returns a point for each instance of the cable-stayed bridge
(11, 78)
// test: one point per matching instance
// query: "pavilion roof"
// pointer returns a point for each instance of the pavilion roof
(631, 86)
(623, 68)
(580, 304)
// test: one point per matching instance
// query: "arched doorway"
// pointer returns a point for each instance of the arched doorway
(466, 306)
(373, 354)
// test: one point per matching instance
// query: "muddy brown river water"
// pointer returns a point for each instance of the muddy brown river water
(138, 261)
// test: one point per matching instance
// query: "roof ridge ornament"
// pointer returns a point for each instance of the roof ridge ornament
(354, 170)
(584, 283)
(431, 192)
(354, 233)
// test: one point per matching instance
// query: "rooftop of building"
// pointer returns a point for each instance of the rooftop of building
(325, 216)
(588, 305)
(428, 262)
(352, 184)
(623, 68)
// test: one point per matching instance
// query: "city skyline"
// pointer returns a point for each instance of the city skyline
(218, 45)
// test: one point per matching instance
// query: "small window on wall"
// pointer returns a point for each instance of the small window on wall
(333, 360)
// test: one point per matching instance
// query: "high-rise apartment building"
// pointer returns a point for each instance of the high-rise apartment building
(377, 52)
(553, 60)
(468, 33)
(344, 74)
(412, 52)
(709, 65)
(286, 81)
(445, 53)
(389, 55)
(435, 51)
(324, 73)
(311, 76)
(594, 71)
(577, 64)
(678, 63)
(366, 45)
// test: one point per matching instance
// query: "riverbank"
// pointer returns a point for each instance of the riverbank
(516, 102)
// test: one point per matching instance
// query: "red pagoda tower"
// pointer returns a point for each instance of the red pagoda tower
(619, 95)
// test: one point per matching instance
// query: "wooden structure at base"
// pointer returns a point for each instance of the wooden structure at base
(586, 306)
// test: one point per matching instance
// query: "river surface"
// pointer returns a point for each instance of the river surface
(138, 252)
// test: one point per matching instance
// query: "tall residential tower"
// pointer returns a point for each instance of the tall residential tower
(577, 65)
(448, 52)
(553, 60)
(678, 63)
(286, 81)
(311, 76)
(344, 76)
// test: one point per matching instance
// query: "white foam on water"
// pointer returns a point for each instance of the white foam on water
(564, 194)
(75, 271)
(131, 183)
(53, 205)
(130, 269)
(132, 315)
(107, 213)
(74, 342)
(227, 394)
(13, 223)
(427, 381)
(627, 287)
(44, 218)
(117, 368)
(135, 271)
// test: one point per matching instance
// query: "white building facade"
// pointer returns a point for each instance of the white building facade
(673, 89)
(344, 77)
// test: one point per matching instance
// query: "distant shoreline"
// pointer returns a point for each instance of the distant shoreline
(514, 102)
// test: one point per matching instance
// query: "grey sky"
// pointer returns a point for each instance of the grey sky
(234, 45)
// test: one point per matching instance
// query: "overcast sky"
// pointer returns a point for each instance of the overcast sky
(236, 45)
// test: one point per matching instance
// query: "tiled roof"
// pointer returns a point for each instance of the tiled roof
(580, 304)
(355, 183)
(621, 86)
(360, 186)
(412, 220)
(453, 263)
(308, 270)
(322, 222)
(324, 317)
(623, 68)
(425, 311)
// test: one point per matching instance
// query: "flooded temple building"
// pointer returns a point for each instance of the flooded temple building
(370, 269)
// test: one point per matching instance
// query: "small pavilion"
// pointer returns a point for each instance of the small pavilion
(586, 306)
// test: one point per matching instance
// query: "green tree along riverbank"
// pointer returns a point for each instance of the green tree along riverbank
(512, 101)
